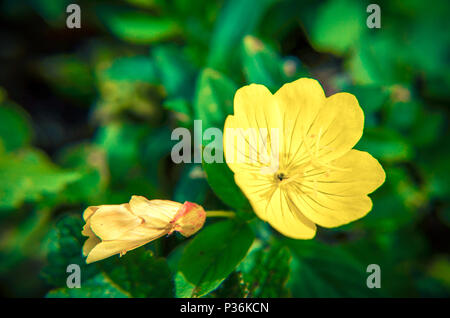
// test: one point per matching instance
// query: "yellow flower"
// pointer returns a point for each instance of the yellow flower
(291, 154)
(116, 229)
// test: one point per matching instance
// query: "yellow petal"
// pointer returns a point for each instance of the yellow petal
(255, 109)
(89, 212)
(111, 221)
(299, 103)
(245, 149)
(357, 173)
(156, 213)
(331, 197)
(110, 248)
(255, 106)
(90, 243)
(144, 231)
(286, 218)
(126, 242)
(273, 205)
(336, 129)
(324, 128)
(87, 229)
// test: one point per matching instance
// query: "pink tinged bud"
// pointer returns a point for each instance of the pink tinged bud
(117, 229)
(189, 219)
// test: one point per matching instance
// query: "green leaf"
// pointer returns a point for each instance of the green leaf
(265, 271)
(380, 60)
(262, 65)
(182, 110)
(137, 27)
(28, 176)
(68, 75)
(434, 167)
(211, 256)
(389, 210)
(192, 185)
(22, 241)
(121, 143)
(100, 286)
(64, 245)
(140, 274)
(133, 68)
(370, 97)
(221, 180)
(338, 25)
(155, 147)
(320, 270)
(175, 71)
(15, 127)
(394, 252)
(402, 115)
(213, 98)
(237, 19)
(90, 161)
(147, 4)
(429, 131)
(231, 287)
(53, 11)
(385, 144)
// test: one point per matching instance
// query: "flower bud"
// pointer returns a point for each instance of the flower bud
(189, 219)
(117, 229)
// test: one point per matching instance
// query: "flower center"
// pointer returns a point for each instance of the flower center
(280, 176)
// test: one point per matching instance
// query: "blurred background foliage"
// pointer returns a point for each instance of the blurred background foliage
(86, 117)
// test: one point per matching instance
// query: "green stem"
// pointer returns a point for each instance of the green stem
(225, 214)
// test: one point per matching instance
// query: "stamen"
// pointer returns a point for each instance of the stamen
(298, 173)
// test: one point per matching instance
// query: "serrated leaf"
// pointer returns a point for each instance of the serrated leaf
(211, 256)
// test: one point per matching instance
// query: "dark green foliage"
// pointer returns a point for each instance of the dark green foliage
(211, 256)
(86, 118)
(140, 274)
(63, 245)
(265, 271)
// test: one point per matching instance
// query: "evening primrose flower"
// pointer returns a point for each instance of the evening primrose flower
(305, 171)
(117, 229)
